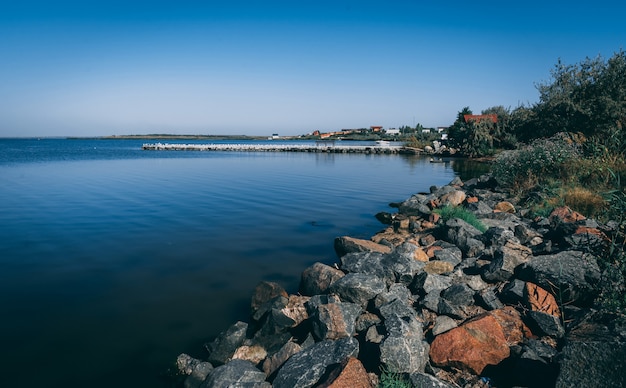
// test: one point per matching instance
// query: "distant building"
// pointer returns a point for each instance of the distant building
(426, 130)
(392, 131)
(441, 129)
(376, 128)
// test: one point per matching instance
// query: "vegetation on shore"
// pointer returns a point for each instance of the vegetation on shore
(567, 149)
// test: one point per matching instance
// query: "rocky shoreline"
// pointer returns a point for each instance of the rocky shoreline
(436, 302)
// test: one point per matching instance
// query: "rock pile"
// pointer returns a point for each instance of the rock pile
(440, 303)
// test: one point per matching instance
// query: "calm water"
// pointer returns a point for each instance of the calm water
(114, 260)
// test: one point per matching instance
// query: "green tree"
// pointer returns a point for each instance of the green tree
(587, 98)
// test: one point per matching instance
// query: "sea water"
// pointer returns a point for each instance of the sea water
(113, 260)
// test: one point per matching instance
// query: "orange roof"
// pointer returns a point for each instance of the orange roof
(492, 117)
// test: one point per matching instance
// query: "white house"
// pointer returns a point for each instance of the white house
(392, 131)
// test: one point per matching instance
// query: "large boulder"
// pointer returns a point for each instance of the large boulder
(594, 353)
(471, 346)
(224, 346)
(335, 320)
(304, 369)
(358, 288)
(317, 278)
(573, 275)
(370, 263)
(404, 349)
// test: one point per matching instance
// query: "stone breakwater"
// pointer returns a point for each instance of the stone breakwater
(377, 149)
(440, 303)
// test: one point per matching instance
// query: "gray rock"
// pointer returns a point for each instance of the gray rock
(404, 354)
(275, 361)
(304, 369)
(403, 350)
(186, 364)
(369, 263)
(498, 236)
(358, 288)
(396, 291)
(574, 275)
(488, 299)
(397, 308)
(450, 253)
(224, 346)
(464, 236)
(431, 300)
(423, 380)
(402, 263)
(425, 283)
(513, 291)
(479, 208)
(415, 206)
(546, 323)
(444, 307)
(236, 373)
(198, 375)
(317, 278)
(506, 259)
(335, 320)
(459, 295)
(592, 364)
(527, 235)
(594, 352)
(442, 324)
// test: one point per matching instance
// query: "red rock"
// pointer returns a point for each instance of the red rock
(566, 214)
(594, 231)
(434, 218)
(538, 299)
(471, 199)
(352, 374)
(512, 325)
(471, 346)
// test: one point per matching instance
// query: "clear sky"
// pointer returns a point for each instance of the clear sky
(92, 67)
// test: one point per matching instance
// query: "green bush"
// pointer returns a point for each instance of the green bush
(449, 212)
(537, 163)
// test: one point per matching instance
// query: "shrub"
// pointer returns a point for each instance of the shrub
(449, 212)
(537, 163)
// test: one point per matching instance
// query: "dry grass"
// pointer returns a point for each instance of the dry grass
(584, 201)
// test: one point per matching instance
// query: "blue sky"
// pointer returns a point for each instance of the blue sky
(90, 68)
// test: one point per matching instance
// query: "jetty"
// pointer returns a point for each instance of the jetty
(317, 147)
